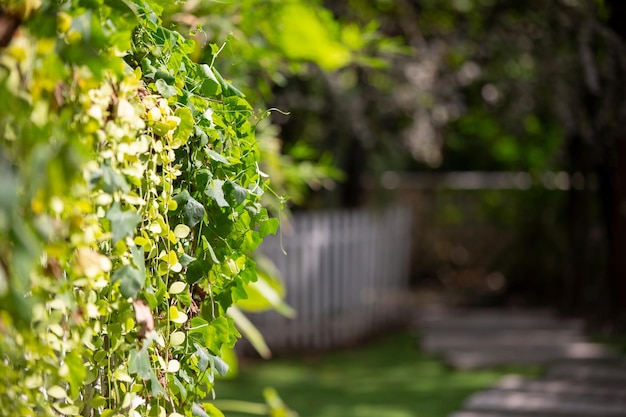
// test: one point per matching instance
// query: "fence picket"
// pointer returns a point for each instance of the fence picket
(343, 273)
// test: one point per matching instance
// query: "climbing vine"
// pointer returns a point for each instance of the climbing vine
(129, 206)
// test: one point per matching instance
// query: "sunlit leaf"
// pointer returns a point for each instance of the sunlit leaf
(210, 86)
(66, 409)
(215, 191)
(57, 392)
(250, 331)
(181, 231)
(264, 294)
(185, 127)
(177, 287)
(212, 410)
(173, 366)
(77, 372)
(177, 338)
(268, 227)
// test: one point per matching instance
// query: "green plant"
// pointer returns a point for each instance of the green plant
(129, 205)
(272, 46)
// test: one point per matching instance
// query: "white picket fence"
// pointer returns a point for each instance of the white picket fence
(345, 273)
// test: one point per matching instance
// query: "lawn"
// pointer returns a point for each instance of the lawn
(389, 377)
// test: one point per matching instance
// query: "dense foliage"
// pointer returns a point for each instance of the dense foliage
(266, 45)
(129, 204)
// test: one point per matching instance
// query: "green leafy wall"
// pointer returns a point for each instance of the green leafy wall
(129, 204)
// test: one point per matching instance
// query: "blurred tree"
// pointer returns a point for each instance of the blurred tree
(555, 71)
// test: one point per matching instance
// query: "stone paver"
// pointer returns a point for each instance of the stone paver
(544, 403)
(473, 339)
(580, 388)
(597, 372)
(582, 379)
(522, 354)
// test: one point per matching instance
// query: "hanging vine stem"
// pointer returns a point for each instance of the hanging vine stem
(136, 130)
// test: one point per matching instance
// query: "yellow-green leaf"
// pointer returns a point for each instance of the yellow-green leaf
(177, 287)
(177, 316)
(67, 409)
(177, 338)
(181, 231)
(57, 392)
(173, 366)
(185, 127)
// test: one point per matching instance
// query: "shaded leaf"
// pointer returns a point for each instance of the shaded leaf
(138, 259)
(239, 194)
(192, 210)
(195, 272)
(203, 357)
(219, 365)
(199, 330)
(198, 411)
(208, 247)
(181, 199)
(227, 88)
(157, 388)
(217, 156)
(165, 89)
(139, 364)
(185, 259)
(131, 280)
(203, 176)
(181, 388)
(113, 181)
(123, 223)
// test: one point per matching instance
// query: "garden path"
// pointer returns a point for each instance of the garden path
(581, 379)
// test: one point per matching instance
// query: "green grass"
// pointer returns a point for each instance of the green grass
(386, 378)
